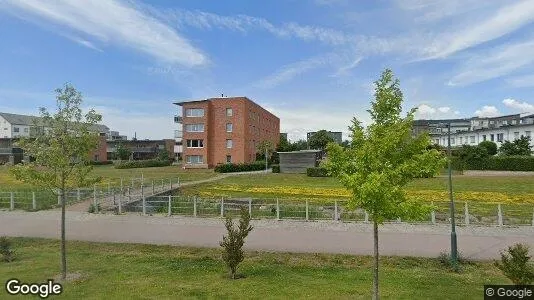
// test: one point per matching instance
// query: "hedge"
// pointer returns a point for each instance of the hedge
(228, 168)
(100, 163)
(502, 163)
(142, 164)
(317, 172)
(276, 169)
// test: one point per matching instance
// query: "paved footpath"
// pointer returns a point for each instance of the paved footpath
(271, 235)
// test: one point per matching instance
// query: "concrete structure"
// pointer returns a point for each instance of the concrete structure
(224, 130)
(497, 129)
(142, 149)
(299, 161)
(336, 135)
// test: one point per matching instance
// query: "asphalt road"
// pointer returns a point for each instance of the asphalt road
(270, 235)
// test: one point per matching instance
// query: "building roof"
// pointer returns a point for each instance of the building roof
(26, 120)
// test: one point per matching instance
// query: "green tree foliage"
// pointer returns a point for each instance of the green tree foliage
(468, 153)
(163, 155)
(122, 152)
(61, 152)
(284, 145)
(382, 159)
(320, 140)
(520, 146)
(232, 244)
(516, 266)
(345, 144)
(490, 147)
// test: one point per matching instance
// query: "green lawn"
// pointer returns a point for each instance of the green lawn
(133, 271)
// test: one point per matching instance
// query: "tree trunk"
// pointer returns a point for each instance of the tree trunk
(375, 279)
(63, 248)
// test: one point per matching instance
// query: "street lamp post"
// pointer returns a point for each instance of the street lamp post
(454, 244)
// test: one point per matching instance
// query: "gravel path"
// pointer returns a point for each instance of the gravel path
(497, 173)
(293, 236)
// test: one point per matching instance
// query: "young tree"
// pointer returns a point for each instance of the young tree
(520, 146)
(233, 243)
(61, 152)
(382, 159)
(516, 265)
(320, 139)
(122, 152)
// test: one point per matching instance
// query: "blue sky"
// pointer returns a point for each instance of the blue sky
(312, 63)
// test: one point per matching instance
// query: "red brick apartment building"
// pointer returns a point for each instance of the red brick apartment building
(224, 130)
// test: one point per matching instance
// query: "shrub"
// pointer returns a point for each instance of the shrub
(93, 209)
(445, 260)
(8, 254)
(232, 244)
(228, 168)
(515, 265)
(502, 163)
(317, 172)
(142, 164)
(490, 146)
(276, 169)
(100, 163)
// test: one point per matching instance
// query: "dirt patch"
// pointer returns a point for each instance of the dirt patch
(497, 173)
(71, 277)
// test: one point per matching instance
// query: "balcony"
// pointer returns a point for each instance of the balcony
(178, 134)
(178, 119)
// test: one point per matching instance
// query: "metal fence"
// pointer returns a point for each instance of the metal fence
(473, 213)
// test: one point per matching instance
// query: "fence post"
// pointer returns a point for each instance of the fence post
(170, 199)
(277, 210)
(178, 184)
(122, 187)
(433, 215)
(307, 211)
(58, 198)
(162, 185)
(120, 203)
(399, 220)
(12, 201)
(34, 202)
(143, 198)
(95, 201)
(336, 218)
(152, 187)
(133, 183)
(499, 216)
(78, 195)
(170, 183)
(250, 207)
(466, 214)
(194, 206)
(366, 220)
(222, 207)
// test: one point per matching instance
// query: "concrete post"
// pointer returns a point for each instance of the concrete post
(120, 204)
(277, 209)
(170, 183)
(144, 206)
(162, 185)
(222, 207)
(143, 198)
(95, 204)
(34, 202)
(178, 184)
(499, 215)
(78, 195)
(12, 201)
(122, 186)
(433, 217)
(170, 207)
(58, 199)
(466, 214)
(366, 220)
(152, 187)
(250, 208)
(129, 195)
(114, 200)
(336, 216)
(307, 211)
(194, 206)
(399, 220)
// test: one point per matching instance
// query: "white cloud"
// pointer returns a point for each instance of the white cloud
(436, 10)
(487, 111)
(345, 70)
(518, 105)
(504, 21)
(495, 63)
(113, 22)
(521, 81)
(425, 111)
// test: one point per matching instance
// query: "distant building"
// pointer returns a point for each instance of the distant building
(141, 149)
(336, 135)
(224, 130)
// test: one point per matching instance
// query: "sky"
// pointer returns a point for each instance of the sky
(310, 62)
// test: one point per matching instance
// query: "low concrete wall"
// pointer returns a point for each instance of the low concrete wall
(298, 161)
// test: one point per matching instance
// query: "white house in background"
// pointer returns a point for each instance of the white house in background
(15, 126)
(498, 130)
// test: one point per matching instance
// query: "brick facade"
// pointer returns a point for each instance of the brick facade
(251, 124)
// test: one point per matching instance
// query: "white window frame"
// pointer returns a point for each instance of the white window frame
(189, 112)
(229, 143)
(229, 112)
(199, 159)
(16, 129)
(197, 127)
(200, 143)
(229, 128)
(228, 161)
